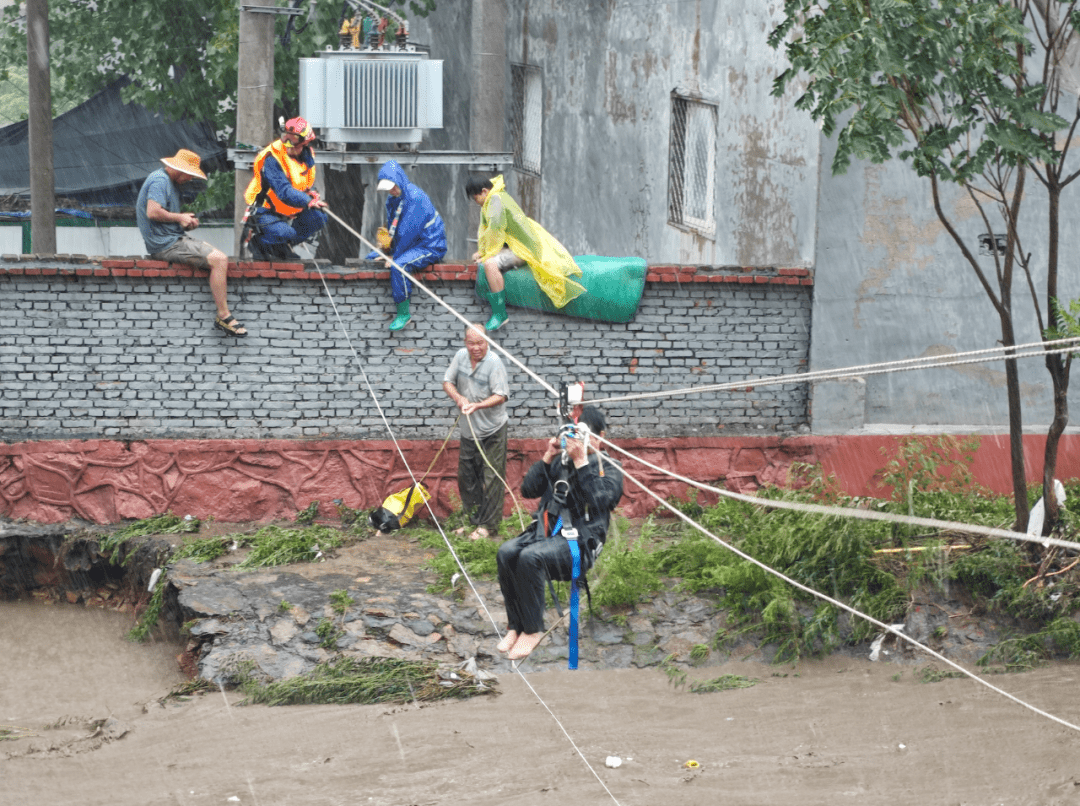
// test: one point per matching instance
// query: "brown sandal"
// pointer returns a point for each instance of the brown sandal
(229, 326)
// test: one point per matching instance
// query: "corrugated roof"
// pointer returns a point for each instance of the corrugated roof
(104, 149)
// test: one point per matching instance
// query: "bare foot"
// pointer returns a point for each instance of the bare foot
(479, 534)
(525, 645)
(508, 641)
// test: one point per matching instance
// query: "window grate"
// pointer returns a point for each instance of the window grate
(526, 130)
(692, 167)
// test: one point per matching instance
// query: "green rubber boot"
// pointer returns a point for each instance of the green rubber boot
(498, 311)
(402, 317)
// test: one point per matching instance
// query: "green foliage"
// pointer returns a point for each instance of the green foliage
(928, 464)
(157, 525)
(1060, 637)
(928, 674)
(166, 524)
(141, 631)
(626, 571)
(308, 515)
(328, 633)
(15, 93)
(998, 565)
(1067, 324)
(366, 680)
(676, 676)
(478, 557)
(932, 82)
(724, 682)
(340, 601)
(204, 549)
(274, 545)
(284, 606)
(219, 194)
(182, 53)
(829, 554)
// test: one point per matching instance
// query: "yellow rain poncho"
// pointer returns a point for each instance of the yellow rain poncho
(503, 222)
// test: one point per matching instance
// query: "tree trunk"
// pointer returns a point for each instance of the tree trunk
(1016, 420)
(1057, 365)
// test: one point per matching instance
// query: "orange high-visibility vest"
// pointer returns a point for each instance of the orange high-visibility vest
(300, 177)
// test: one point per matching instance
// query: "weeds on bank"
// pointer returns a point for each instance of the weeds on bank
(725, 682)
(166, 524)
(364, 680)
(840, 557)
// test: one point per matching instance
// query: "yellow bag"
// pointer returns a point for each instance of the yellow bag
(399, 508)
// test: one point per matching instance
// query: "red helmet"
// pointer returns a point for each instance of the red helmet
(300, 128)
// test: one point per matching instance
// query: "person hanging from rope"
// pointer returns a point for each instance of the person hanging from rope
(414, 235)
(574, 483)
(508, 239)
(476, 381)
(289, 210)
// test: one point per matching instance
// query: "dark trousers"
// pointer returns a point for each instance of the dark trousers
(480, 488)
(525, 563)
(277, 230)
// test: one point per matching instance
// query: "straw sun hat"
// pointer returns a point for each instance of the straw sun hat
(186, 162)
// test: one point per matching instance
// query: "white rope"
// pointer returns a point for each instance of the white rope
(862, 514)
(906, 365)
(550, 389)
(919, 363)
(885, 627)
(427, 503)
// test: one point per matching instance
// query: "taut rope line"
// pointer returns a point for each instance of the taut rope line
(885, 627)
(862, 514)
(551, 390)
(906, 365)
(427, 503)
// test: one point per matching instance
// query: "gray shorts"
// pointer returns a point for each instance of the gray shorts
(188, 251)
(506, 260)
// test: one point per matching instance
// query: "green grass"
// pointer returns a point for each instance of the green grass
(159, 525)
(275, 545)
(367, 680)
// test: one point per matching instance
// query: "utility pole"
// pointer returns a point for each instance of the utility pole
(42, 179)
(255, 95)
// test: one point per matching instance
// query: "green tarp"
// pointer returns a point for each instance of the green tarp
(613, 287)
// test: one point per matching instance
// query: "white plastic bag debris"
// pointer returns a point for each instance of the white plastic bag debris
(472, 668)
(613, 762)
(154, 577)
(1038, 512)
(875, 647)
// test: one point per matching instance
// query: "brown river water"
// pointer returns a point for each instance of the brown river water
(87, 724)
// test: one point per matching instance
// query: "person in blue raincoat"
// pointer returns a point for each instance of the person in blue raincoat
(414, 236)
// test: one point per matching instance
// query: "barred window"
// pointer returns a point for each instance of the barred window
(692, 168)
(526, 131)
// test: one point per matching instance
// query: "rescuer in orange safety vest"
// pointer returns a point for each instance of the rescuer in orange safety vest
(290, 210)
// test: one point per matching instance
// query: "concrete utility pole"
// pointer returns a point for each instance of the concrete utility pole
(42, 179)
(490, 67)
(255, 92)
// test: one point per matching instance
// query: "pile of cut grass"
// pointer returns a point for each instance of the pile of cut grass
(367, 681)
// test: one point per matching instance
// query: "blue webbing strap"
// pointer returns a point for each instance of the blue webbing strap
(575, 553)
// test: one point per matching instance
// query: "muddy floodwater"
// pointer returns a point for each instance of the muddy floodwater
(66, 660)
(89, 727)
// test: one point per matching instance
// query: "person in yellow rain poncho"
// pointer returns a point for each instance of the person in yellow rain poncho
(508, 239)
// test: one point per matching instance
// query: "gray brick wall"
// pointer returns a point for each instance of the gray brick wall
(137, 358)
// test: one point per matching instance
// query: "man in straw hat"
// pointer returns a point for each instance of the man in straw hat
(165, 230)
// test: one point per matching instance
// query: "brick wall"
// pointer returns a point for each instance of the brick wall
(124, 349)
